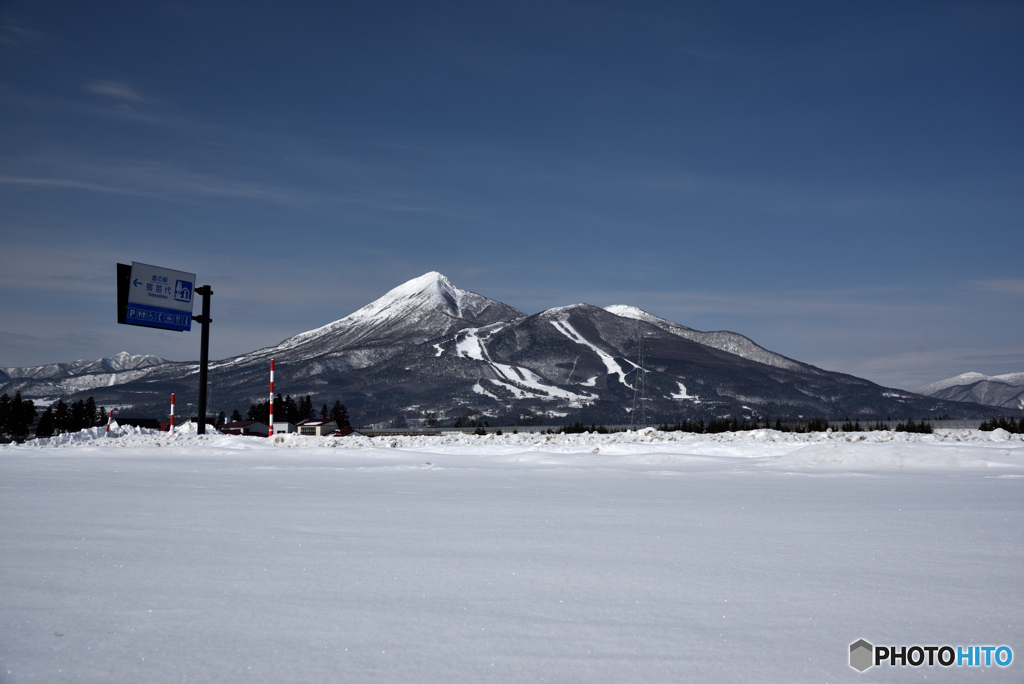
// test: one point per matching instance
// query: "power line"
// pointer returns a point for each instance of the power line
(639, 388)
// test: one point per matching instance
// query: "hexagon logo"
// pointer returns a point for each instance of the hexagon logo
(862, 655)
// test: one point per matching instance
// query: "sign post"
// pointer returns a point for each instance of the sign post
(156, 297)
(204, 353)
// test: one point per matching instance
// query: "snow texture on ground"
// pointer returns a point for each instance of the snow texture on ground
(633, 557)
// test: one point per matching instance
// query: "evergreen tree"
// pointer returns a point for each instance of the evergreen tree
(22, 415)
(61, 417)
(14, 422)
(339, 414)
(291, 410)
(235, 416)
(78, 416)
(28, 415)
(221, 419)
(323, 412)
(280, 409)
(90, 413)
(5, 414)
(45, 427)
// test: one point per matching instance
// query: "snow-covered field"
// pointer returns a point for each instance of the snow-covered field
(636, 557)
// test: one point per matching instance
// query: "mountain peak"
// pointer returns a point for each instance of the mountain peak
(427, 281)
(430, 287)
(429, 291)
(417, 310)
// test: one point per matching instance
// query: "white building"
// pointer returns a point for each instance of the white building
(318, 427)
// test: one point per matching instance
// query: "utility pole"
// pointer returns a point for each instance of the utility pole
(204, 353)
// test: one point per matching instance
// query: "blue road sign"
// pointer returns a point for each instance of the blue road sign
(160, 298)
(156, 317)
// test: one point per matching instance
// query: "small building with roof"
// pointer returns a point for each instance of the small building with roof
(345, 432)
(317, 427)
(245, 427)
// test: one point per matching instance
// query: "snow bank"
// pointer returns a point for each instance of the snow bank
(882, 449)
(91, 435)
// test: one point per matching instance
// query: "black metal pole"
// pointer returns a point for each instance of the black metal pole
(204, 353)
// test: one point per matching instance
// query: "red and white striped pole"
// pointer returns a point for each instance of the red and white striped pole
(109, 418)
(271, 433)
(171, 429)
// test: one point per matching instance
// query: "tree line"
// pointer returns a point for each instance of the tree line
(813, 425)
(713, 426)
(288, 410)
(16, 415)
(1013, 426)
(61, 418)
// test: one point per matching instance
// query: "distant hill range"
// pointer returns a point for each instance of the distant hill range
(428, 350)
(1002, 391)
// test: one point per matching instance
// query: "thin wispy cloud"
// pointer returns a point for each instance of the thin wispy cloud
(1012, 286)
(300, 179)
(395, 183)
(115, 90)
(65, 183)
(14, 36)
(164, 182)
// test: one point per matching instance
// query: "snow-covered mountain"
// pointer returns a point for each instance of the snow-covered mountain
(416, 311)
(63, 379)
(122, 361)
(1003, 391)
(429, 350)
(421, 309)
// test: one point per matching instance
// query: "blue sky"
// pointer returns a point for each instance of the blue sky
(841, 182)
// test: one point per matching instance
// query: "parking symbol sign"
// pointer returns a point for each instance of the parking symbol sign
(183, 291)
